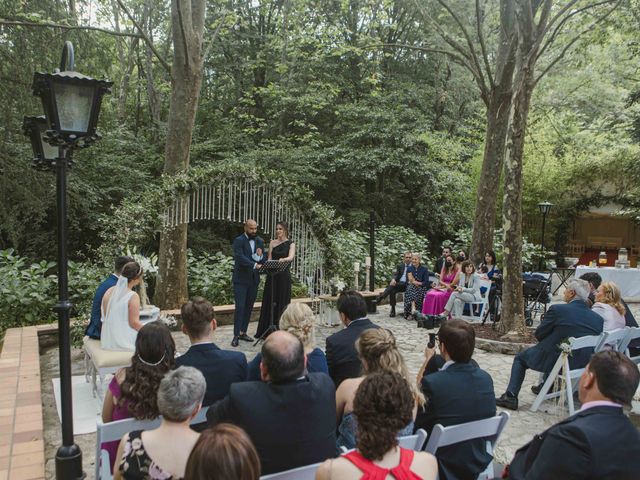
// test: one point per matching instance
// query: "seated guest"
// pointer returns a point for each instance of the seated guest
(459, 393)
(599, 441)
(574, 319)
(133, 390)
(417, 285)
(163, 452)
(436, 298)
(94, 329)
(121, 311)
(289, 416)
(397, 284)
(608, 306)
(223, 452)
(446, 252)
(220, 367)
(595, 280)
(378, 352)
(342, 357)
(468, 290)
(297, 319)
(383, 404)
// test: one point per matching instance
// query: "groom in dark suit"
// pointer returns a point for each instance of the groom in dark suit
(247, 256)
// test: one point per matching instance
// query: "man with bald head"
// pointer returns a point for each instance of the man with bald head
(290, 415)
(247, 257)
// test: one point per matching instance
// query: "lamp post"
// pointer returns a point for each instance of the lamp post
(544, 207)
(372, 250)
(71, 102)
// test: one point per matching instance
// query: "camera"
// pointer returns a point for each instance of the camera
(428, 321)
(432, 340)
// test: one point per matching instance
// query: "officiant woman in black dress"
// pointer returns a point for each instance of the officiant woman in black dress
(283, 249)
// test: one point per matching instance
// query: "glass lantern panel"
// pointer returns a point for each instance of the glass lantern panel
(74, 106)
(50, 153)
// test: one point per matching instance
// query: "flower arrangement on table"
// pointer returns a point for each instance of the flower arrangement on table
(337, 286)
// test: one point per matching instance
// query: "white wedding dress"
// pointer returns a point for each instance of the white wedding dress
(116, 334)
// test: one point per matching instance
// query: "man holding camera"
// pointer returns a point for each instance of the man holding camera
(457, 391)
(397, 284)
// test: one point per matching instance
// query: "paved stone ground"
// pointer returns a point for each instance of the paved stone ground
(411, 341)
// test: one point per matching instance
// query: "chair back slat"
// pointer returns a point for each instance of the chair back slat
(586, 341)
(307, 472)
(634, 333)
(614, 339)
(489, 428)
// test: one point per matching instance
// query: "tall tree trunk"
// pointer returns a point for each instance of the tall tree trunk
(498, 109)
(187, 19)
(529, 39)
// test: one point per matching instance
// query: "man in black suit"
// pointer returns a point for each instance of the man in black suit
(446, 251)
(459, 392)
(397, 284)
(247, 256)
(598, 442)
(342, 356)
(289, 416)
(220, 368)
(574, 319)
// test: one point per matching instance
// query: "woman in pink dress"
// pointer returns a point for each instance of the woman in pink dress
(437, 297)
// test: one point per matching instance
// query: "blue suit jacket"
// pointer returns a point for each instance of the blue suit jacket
(220, 368)
(596, 443)
(574, 319)
(94, 329)
(244, 272)
(462, 393)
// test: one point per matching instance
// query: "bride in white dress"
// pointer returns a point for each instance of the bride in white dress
(121, 311)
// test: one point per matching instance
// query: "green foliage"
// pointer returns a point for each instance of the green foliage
(27, 291)
(209, 276)
(390, 244)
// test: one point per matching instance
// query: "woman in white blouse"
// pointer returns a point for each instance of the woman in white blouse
(609, 306)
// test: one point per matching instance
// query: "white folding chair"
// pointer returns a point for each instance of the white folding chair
(488, 429)
(307, 472)
(633, 333)
(410, 442)
(594, 341)
(483, 302)
(413, 442)
(614, 340)
(112, 431)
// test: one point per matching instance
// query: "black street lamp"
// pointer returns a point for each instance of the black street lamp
(545, 208)
(71, 103)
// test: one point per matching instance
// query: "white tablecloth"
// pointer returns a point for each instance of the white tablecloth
(627, 279)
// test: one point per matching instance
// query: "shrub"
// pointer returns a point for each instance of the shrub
(390, 243)
(27, 291)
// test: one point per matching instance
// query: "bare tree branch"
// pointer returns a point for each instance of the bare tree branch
(24, 23)
(183, 33)
(575, 39)
(485, 57)
(563, 22)
(470, 45)
(214, 36)
(469, 64)
(146, 39)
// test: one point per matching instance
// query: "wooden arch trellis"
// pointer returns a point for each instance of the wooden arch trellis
(238, 199)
